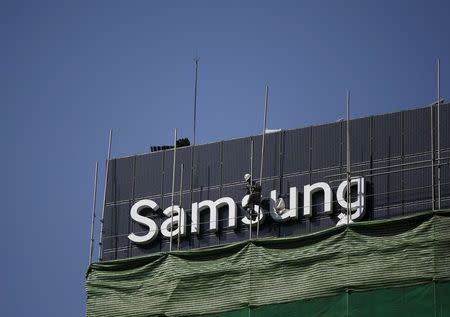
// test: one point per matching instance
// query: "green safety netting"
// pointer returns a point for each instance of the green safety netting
(430, 299)
(350, 268)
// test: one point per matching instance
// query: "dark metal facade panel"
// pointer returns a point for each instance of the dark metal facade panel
(445, 179)
(109, 228)
(386, 184)
(269, 185)
(300, 227)
(326, 145)
(183, 156)
(148, 175)
(140, 250)
(360, 143)
(236, 160)
(320, 223)
(120, 179)
(416, 206)
(230, 236)
(272, 154)
(296, 152)
(206, 194)
(417, 179)
(444, 119)
(417, 131)
(204, 240)
(387, 136)
(388, 212)
(207, 165)
(117, 226)
(391, 151)
(298, 180)
(236, 192)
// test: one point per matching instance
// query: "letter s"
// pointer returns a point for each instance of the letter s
(152, 227)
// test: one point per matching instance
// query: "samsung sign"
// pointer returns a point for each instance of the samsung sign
(177, 215)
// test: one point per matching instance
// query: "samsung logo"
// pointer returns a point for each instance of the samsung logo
(277, 211)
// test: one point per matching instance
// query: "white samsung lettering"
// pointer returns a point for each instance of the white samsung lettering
(260, 217)
(213, 217)
(284, 214)
(152, 227)
(179, 219)
(309, 190)
(357, 205)
(277, 210)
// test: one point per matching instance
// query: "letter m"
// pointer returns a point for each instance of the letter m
(213, 207)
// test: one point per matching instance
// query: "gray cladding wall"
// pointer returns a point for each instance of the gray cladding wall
(392, 151)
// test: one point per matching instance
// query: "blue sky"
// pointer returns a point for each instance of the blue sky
(69, 71)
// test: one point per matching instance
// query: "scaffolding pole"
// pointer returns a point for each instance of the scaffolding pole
(251, 182)
(266, 101)
(196, 59)
(173, 187)
(100, 244)
(432, 157)
(349, 212)
(191, 181)
(438, 131)
(179, 218)
(94, 201)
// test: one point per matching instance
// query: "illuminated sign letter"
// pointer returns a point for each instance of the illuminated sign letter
(213, 206)
(309, 190)
(179, 219)
(357, 205)
(152, 228)
(285, 214)
(246, 220)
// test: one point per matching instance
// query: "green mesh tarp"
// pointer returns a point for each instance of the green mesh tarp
(256, 275)
(430, 299)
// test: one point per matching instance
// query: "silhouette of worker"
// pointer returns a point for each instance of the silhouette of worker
(254, 191)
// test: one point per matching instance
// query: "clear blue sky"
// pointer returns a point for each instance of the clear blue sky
(71, 70)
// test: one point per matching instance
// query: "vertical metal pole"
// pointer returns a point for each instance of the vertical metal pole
(173, 186)
(94, 201)
(100, 244)
(438, 131)
(251, 180)
(179, 221)
(191, 181)
(432, 156)
(196, 59)
(349, 212)
(266, 101)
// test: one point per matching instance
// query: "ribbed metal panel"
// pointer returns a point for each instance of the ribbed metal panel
(117, 226)
(271, 163)
(236, 160)
(391, 151)
(207, 165)
(417, 131)
(359, 140)
(417, 182)
(120, 179)
(445, 180)
(183, 156)
(386, 183)
(148, 175)
(445, 126)
(326, 145)
(296, 151)
(387, 136)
